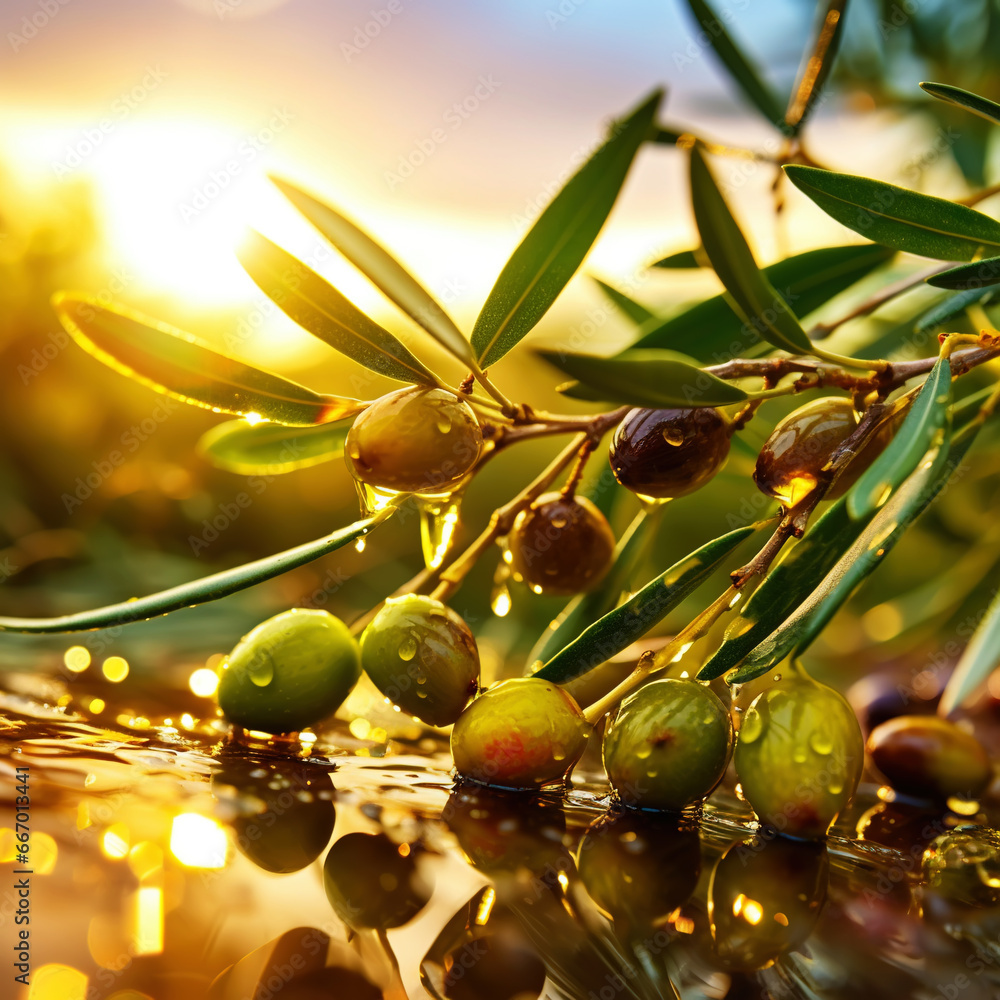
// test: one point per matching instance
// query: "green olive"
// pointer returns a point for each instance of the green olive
(372, 882)
(669, 453)
(668, 746)
(765, 898)
(414, 440)
(561, 545)
(520, 733)
(799, 756)
(290, 672)
(281, 811)
(423, 657)
(930, 758)
(639, 868)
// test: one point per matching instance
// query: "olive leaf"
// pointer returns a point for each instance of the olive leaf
(981, 106)
(209, 588)
(646, 378)
(805, 281)
(319, 308)
(384, 271)
(270, 449)
(969, 276)
(864, 556)
(979, 659)
(928, 414)
(899, 218)
(755, 298)
(683, 259)
(632, 620)
(587, 608)
(941, 312)
(816, 66)
(556, 245)
(179, 365)
(760, 95)
(635, 311)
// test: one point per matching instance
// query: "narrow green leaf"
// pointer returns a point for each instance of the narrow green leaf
(816, 67)
(270, 449)
(666, 136)
(981, 106)
(895, 217)
(756, 299)
(646, 378)
(979, 659)
(683, 259)
(739, 67)
(954, 305)
(635, 311)
(382, 269)
(183, 367)
(884, 530)
(633, 619)
(556, 245)
(319, 308)
(587, 608)
(928, 414)
(712, 332)
(969, 276)
(209, 588)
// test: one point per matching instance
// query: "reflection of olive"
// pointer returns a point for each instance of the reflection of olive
(281, 811)
(900, 825)
(640, 868)
(372, 882)
(963, 866)
(501, 832)
(765, 898)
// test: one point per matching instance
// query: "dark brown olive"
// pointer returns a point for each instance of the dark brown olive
(930, 758)
(561, 545)
(669, 453)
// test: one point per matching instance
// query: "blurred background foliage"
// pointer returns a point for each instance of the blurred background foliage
(102, 494)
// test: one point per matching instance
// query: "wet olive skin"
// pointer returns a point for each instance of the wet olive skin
(312, 661)
(414, 440)
(668, 746)
(765, 898)
(640, 867)
(799, 756)
(930, 758)
(281, 811)
(561, 545)
(671, 452)
(423, 657)
(520, 733)
(369, 883)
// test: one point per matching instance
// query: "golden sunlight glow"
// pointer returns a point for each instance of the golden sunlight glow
(486, 906)
(57, 982)
(146, 860)
(197, 841)
(501, 603)
(203, 682)
(97, 705)
(8, 845)
(148, 932)
(360, 728)
(77, 658)
(115, 842)
(115, 669)
(43, 852)
(253, 418)
(749, 909)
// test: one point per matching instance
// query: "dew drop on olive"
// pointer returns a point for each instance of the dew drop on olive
(930, 758)
(802, 443)
(799, 756)
(423, 657)
(414, 440)
(281, 811)
(372, 882)
(290, 672)
(668, 746)
(520, 733)
(669, 453)
(764, 899)
(639, 867)
(561, 545)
